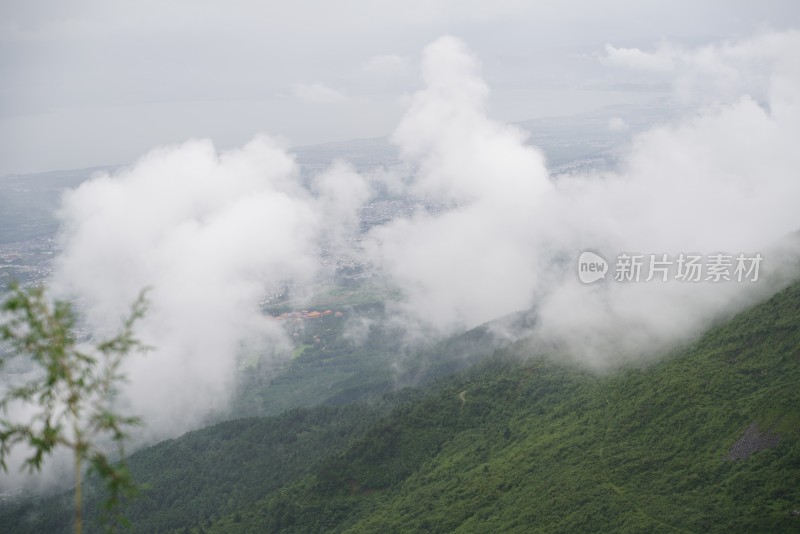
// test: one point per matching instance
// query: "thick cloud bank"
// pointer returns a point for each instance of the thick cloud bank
(722, 178)
(210, 232)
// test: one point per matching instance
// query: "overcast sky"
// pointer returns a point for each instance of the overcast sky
(89, 83)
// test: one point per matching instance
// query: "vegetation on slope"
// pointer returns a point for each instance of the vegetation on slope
(213, 471)
(335, 366)
(513, 444)
(535, 446)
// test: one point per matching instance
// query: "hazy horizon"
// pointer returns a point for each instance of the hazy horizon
(88, 84)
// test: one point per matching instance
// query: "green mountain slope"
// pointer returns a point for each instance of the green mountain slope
(536, 446)
(212, 471)
(707, 439)
(330, 368)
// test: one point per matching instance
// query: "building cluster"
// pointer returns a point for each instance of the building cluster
(306, 314)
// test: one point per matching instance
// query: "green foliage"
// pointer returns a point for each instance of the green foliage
(326, 368)
(516, 443)
(333, 369)
(72, 392)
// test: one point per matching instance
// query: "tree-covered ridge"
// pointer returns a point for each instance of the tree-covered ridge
(513, 446)
(515, 443)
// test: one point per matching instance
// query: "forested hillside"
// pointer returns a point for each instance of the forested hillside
(705, 440)
(708, 439)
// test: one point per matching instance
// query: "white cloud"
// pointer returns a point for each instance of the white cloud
(317, 93)
(722, 178)
(209, 233)
(456, 267)
(660, 61)
(717, 72)
(617, 124)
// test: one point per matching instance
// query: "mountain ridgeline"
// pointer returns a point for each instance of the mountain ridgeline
(706, 439)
